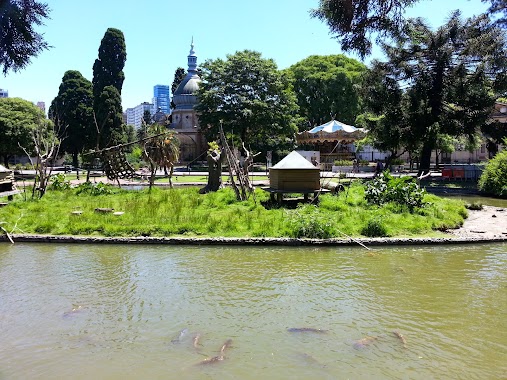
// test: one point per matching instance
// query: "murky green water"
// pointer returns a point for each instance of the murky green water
(131, 302)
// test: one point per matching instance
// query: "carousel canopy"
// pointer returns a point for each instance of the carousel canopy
(334, 126)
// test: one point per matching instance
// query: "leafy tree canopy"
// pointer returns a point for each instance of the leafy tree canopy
(18, 118)
(72, 113)
(108, 67)
(110, 129)
(251, 98)
(179, 75)
(325, 87)
(19, 41)
(107, 83)
(436, 82)
(353, 22)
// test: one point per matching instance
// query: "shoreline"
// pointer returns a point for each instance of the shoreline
(488, 225)
(289, 242)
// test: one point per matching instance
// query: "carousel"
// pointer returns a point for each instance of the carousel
(334, 140)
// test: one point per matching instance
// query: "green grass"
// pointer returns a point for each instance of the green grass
(185, 212)
(177, 178)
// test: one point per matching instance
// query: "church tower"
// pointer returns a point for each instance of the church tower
(184, 117)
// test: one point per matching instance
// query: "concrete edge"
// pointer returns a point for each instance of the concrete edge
(248, 241)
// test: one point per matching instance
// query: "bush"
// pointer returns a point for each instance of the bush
(403, 191)
(494, 178)
(307, 222)
(474, 206)
(59, 183)
(343, 163)
(375, 228)
(94, 188)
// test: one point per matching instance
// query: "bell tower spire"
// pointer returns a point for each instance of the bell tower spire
(192, 58)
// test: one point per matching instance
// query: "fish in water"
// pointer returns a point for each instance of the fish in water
(308, 359)
(364, 342)
(196, 341)
(214, 359)
(226, 345)
(401, 338)
(306, 329)
(74, 311)
(180, 336)
(218, 358)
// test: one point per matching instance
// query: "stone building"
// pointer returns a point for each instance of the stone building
(184, 117)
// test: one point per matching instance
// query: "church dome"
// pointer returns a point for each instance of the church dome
(185, 95)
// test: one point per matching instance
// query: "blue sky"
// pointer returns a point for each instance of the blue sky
(158, 35)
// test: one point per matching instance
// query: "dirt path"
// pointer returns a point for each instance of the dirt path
(490, 222)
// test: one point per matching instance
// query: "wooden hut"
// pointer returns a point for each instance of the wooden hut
(294, 173)
(7, 184)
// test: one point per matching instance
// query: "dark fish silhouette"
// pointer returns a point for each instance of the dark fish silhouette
(73, 312)
(306, 329)
(218, 358)
(364, 342)
(308, 359)
(226, 345)
(214, 359)
(401, 338)
(180, 336)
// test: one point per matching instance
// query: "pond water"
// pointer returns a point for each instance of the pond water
(486, 201)
(132, 311)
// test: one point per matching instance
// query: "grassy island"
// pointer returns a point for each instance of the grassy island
(185, 212)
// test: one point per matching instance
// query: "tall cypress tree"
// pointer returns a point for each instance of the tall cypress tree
(71, 111)
(107, 82)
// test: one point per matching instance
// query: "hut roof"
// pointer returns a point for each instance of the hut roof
(3, 169)
(294, 160)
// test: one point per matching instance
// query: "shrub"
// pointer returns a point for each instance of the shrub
(307, 222)
(403, 191)
(397, 161)
(59, 183)
(474, 206)
(374, 228)
(343, 163)
(94, 188)
(494, 178)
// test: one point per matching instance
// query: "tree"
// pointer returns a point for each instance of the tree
(107, 83)
(45, 148)
(449, 79)
(72, 113)
(179, 75)
(18, 40)
(494, 178)
(355, 21)
(325, 87)
(498, 8)
(214, 158)
(385, 117)
(110, 129)
(18, 118)
(252, 100)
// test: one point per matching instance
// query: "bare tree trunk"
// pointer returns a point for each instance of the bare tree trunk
(214, 159)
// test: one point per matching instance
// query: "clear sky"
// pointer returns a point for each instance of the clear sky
(158, 35)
